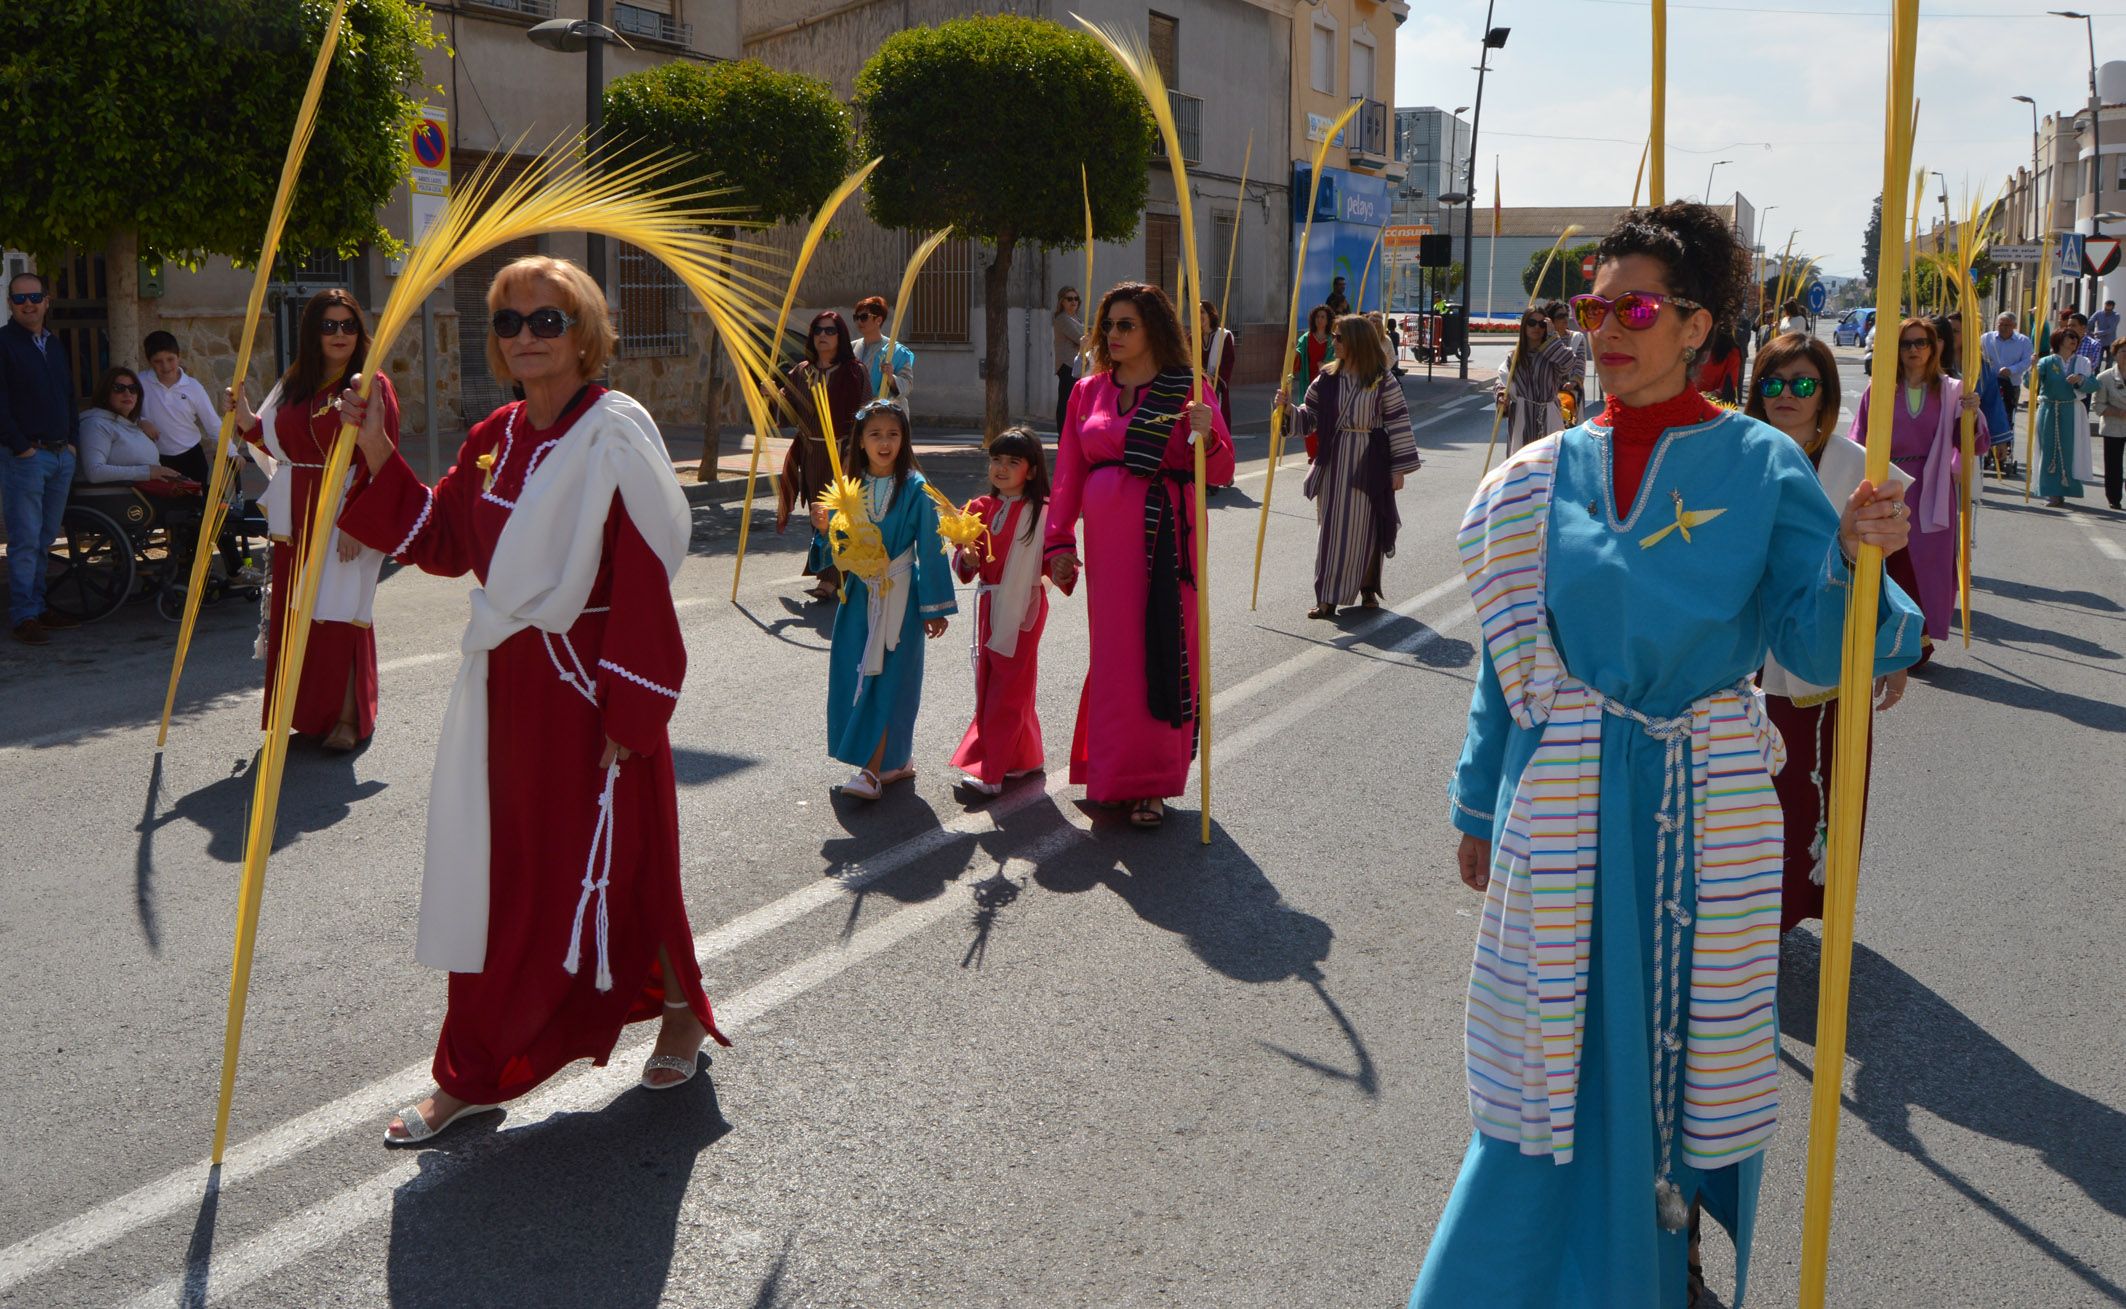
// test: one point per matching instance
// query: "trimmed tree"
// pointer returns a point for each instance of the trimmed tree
(780, 141)
(982, 123)
(135, 170)
(1563, 279)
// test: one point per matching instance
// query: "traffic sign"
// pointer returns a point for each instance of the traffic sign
(428, 143)
(2013, 254)
(1817, 297)
(1587, 268)
(2070, 255)
(2100, 254)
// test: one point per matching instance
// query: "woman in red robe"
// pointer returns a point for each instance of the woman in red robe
(336, 696)
(564, 506)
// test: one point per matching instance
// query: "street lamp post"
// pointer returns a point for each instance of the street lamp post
(2096, 131)
(2039, 277)
(1494, 39)
(1709, 177)
(589, 35)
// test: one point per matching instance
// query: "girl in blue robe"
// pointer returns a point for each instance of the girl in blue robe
(875, 678)
(1648, 559)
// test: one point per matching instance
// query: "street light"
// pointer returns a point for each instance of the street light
(1494, 39)
(1709, 177)
(570, 36)
(2096, 129)
(2038, 276)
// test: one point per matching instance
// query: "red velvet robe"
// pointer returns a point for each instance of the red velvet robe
(522, 1018)
(1005, 736)
(306, 431)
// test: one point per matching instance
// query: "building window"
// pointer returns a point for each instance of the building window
(941, 304)
(1324, 60)
(1361, 67)
(1166, 47)
(1162, 251)
(653, 306)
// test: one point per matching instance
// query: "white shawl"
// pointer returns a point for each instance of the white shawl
(541, 576)
(346, 592)
(1011, 601)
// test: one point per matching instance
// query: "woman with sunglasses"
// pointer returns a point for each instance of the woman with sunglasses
(1926, 444)
(806, 469)
(1529, 380)
(1126, 465)
(1069, 334)
(2060, 380)
(1796, 391)
(551, 888)
(113, 447)
(1631, 573)
(336, 697)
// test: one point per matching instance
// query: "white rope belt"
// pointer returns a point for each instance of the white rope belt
(598, 864)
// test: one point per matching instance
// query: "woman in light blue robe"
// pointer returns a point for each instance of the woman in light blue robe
(2062, 427)
(1677, 543)
(863, 710)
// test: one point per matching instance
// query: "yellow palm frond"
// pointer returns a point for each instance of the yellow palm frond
(922, 254)
(844, 495)
(956, 525)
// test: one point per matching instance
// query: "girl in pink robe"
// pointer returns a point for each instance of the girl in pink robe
(1125, 464)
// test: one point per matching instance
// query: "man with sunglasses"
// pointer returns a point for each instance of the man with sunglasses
(38, 426)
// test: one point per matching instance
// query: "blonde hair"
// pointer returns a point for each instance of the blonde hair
(1359, 348)
(577, 296)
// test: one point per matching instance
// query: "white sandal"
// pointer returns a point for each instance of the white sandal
(670, 1063)
(417, 1128)
(863, 784)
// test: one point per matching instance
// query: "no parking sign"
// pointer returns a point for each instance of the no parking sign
(428, 142)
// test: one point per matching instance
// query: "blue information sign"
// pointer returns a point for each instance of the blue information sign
(1818, 298)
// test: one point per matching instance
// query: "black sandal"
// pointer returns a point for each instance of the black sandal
(1322, 611)
(1147, 813)
(1369, 600)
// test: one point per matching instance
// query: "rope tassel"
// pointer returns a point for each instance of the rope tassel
(597, 876)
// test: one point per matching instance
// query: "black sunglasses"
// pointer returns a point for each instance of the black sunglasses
(338, 327)
(1803, 387)
(128, 388)
(26, 298)
(546, 324)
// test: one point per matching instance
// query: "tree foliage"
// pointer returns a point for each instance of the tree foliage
(983, 122)
(171, 117)
(1563, 279)
(780, 141)
(1871, 243)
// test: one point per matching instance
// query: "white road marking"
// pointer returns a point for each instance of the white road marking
(358, 1206)
(70, 1240)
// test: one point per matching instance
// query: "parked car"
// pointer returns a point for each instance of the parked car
(1854, 327)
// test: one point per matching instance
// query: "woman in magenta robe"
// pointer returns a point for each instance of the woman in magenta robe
(1125, 464)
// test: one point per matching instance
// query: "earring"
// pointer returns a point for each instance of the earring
(1690, 354)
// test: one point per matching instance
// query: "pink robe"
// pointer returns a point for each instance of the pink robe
(1929, 447)
(1119, 751)
(1005, 736)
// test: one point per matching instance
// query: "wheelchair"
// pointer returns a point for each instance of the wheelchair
(117, 542)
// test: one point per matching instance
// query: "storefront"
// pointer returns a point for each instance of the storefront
(1349, 212)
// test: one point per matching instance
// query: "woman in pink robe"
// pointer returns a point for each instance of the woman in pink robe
(1125, 463)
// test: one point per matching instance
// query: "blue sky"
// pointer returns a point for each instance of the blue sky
(1793, 96)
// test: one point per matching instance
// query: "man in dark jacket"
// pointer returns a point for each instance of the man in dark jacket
(37, 427)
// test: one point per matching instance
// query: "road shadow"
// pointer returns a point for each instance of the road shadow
(317, 791)
(801, 613)
(701, 767)
(1993, 629)
(144, 860)
(1232, 497)
(580, 1210)
(2081, 710)
(1221, 905)
(1915, 1050)
(2031, 593)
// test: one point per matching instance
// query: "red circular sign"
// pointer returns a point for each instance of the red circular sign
(1587, 267)
(428, 143)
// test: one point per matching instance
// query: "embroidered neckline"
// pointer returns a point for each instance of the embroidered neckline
(1605, 450)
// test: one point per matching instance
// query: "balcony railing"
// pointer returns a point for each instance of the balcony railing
(634, 21)
(541, 9)
(1188, 125)
(1368, 137)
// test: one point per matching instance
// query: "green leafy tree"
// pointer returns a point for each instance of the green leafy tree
(158, 128)
(983, 123)
(779, 141)
(1563, 279)
(1871, 243)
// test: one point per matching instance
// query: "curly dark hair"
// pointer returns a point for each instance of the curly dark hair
(1706, 264)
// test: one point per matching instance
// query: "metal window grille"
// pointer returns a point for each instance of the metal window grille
(941, 304)
(1188, 126)
(529, 8)
(653, 319)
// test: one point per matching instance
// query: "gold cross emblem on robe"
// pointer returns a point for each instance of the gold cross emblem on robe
(1686, 519)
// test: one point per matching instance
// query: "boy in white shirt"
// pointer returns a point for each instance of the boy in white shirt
(176, 410)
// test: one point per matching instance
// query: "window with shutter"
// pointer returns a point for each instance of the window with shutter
(1166, 47)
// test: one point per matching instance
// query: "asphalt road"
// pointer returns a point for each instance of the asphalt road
(1014, 1052)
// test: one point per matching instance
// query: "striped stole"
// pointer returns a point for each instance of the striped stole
(1169, 556)
(1715, 1046)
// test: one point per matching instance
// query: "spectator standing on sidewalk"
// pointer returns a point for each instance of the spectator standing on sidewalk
(2104, 323)
(176, 410)
(1339, 299)
(38, 425)
(875, 353)
(1069, 332)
